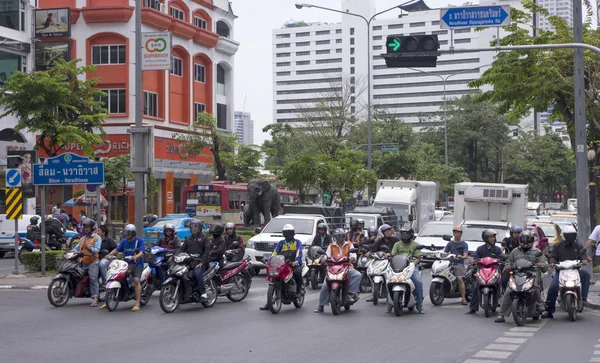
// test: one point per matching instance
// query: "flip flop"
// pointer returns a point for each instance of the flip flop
(464, 303)
(135, 308)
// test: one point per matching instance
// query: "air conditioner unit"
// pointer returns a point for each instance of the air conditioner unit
(492, 195)
(163, 8)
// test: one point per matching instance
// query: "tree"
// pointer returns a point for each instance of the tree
(243, 165)
(58, 105)
(116, 173)
(300, 174)
(286, 144)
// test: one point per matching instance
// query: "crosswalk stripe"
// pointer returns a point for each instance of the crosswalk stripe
(511, 340)
(510, 347)
(524, 329)
(595, 360)
(492, 354)
(518, 334)
(481, 361)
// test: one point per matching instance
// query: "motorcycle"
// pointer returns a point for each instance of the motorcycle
(377, 271)
(282, 285)
(522, 283)
(121, 287)
(444, 283)
(157, 258)
(71, 281)
(400, 287)
(180, 285)
(315, 273)
(26, 245)
(569, 287)
(233, 280)
(362, 264)
(338, 283)
(489, 284)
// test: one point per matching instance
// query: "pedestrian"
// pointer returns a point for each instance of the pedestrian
(593, 241)
(64, 217)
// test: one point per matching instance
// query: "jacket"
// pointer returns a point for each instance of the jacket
(197, 244)
(90, 256)
(326, 240)
(382, 241)
(218, 246)
(510, 244)
(369, 244)
(563, 252)
(355, 237)
(335, 250)
(171, 244)
(293, 248)
(494, 252)
(238, 252)
(107, 244)
(533, 255)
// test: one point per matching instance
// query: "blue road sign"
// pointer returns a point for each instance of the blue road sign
(466, 17)
(68, 169)
(13, 178)
(91, 188)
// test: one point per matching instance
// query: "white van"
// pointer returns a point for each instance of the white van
(7, 232)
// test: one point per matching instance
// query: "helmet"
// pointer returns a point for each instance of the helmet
(129, 231)
(385, 227)
(88, 222)
(216, 229)
(407, 233)
(487, 233)
(372, 229)
(569, 234)
(288, 232)
(515, 229)
(361, 222)
(322, 226)
(353, 224)
(457, 229)
(34, 220)
(170, 226)
(526, 240)
(230, 225)
(154, 217)
(195, 226)
(339, 235)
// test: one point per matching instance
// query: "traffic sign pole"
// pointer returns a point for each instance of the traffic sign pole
(14, 210)
(16, 271)
(43, 247)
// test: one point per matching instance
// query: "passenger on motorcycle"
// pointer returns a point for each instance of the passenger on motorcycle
(511, 242)
(354, 234)
(322, 239)
(218, 246)
(230, 238)
(489, 249)
(567, 249)
(55, 233)
(340, 247)
(361, 226)
(198, 243)
(459, 248)
(169, 241)
(291, 248)
(408, 247)
(128, 246)
(388, 239)
(370, 242)
(532, 254)
(108, 244)
(89, 246)
(34, 233)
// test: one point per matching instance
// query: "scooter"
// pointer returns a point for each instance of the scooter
(400, 287)
(71, 281)
(362, 264)
(523, 294)
(338, 283)
(121, 287)
(569, 287)
(315, 273)
(444, 283)
(157, 259)
(489, 284)
(282, 285)
(233, 279)
(377, 272)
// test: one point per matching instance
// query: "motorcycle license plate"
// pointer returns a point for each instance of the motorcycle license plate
(450, 276)
(266, 256)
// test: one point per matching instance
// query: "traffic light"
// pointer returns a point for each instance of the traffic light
(412, 51)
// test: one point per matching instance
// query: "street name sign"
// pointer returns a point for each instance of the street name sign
(68, 169)
(476, 16)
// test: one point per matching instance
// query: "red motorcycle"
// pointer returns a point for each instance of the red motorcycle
(489, 281)
(338, 283)
(282, 284)
(234, 279)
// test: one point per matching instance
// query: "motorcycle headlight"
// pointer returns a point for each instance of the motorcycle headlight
(250, 244)
(528, 285)
(331, 276)
(570, 284)
(274, 272)
(512, 285)
(379, 269)
(113, 265)
(179, 259)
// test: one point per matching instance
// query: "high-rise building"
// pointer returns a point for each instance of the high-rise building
(243, 127)
(562, 8)
(319, 60)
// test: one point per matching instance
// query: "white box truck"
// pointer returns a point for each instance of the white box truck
(408, 198)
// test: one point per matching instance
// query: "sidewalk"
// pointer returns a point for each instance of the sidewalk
(594, 294)
(26, 282)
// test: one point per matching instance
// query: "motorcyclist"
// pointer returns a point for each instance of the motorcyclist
(459, 248)
(218, 246)
(128, 246)
(54, 232)
(407, 247)
(528, 252)
(512, 241)
(108, 244)
(230, 238)
(322, 239)
(34, 233)
(198, 243)
(291, 248)
(169, 241)
(489, 249)
(341, 247)
(567, 249)
(388, 239)
(89, 246)
(354, 234)
(361, 226)
(370, 241)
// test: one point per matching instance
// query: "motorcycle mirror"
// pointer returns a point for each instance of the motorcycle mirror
(544, 240)
(447, 237)
(411, 218)
(353, 250)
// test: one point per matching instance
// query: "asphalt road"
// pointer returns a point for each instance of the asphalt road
(7, 266)
(34, 331)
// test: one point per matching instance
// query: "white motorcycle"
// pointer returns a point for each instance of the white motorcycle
(400, 287)
(377, 271)
(569, 287)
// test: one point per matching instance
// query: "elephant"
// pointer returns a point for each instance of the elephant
(248, 216)
(263, 199)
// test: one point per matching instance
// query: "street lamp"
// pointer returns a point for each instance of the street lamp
(368, 22)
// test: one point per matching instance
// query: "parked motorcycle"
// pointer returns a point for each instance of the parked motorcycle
(569, 287)
(400, 287)
(26, 245)
(282, 285)
(444, 283)
(180, 287)
(522, 283)
(120, 285)
(489, 284)
(338, 283)
(71, 281)
(316, 271)
(377, 271)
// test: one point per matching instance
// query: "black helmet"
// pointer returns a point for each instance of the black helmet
(526, 240)
(487, 233)
(353, 224)
(407, 233)
(216, 229)
(322, 226)
(88, 222)
(230, 225)
(339, 235)
(34, 220)
(361, 222)
(197, 224)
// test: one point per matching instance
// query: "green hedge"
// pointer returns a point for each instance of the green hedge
(33, 260)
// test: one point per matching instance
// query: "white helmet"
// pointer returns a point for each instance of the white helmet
(288, 232)
(288, 227)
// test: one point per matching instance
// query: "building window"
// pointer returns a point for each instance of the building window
(462, 41)
(282, 36)
(221, 116)
(351, 41)
(200, 23)
(283, 64)
(199, 73)
(435, 22)
(351, 70)
(302, 44)
(377, 27)
(443, 42)
(300, 54)
(304, 34)
(377, 47)
(108, 54)
(351, 50)
(395, 26)
(223, 29)
(323, 51)
(177, 66)
(322, 42)
(338, 50)
(283, 45)
(284, 73)
(324, 61)
(303, 63)
(440, 32)
(323, 32)
(352, 60)
(150, 104)
(418, 33)
(351, 31)
(338, 41)
(198, 109)
(465, 30)
(114, 101)
(418, 24)
(377, 37)
(282, 55)
(338, 31)
(176, 13)
(154, 4)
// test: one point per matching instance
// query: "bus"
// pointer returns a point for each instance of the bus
(222, 202)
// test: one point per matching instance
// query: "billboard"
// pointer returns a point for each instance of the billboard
(23, 160)
(156, 53)
(47, 52)
(53, 23)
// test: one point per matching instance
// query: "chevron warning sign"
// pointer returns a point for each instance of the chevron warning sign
(14, 203)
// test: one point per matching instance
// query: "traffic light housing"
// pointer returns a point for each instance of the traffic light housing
(412, 51)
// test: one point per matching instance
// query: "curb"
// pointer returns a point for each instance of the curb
(592, 305)
(28, 287)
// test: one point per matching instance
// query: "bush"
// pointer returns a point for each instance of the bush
(33, 260)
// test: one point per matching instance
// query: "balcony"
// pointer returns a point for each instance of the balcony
(227, 46)
(182, 29)
(155, 18)
(119, 14)
(206, 38)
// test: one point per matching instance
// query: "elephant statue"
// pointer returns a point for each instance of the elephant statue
(248, 216)
(263, 199)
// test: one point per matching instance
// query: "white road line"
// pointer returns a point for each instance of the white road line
(307, 297)
(511, 347)
(597, 352)
(6, 287)
(39, 287)
(492, 354)
(453, 307)
(595, 360)
(511, 340)
(518, 334)
(481, 361)
(597, 346)
(524, 329)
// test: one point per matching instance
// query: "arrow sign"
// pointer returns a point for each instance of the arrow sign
(13, 178)
(467, 17)
(394, 45)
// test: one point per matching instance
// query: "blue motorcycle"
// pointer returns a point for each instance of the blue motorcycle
(157, 259)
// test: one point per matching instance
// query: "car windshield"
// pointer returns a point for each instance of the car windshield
(368, 221)
(549, 230)
(472, 232)
(400, 209)
(161, 223)
(564, 219)
(301, 226)
(435, 230)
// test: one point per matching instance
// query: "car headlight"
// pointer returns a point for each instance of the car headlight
(512, 285)
(250, 244)
(528, 285)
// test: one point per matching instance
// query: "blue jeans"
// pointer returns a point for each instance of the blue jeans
(553, 289)
(93, 272)
(416, 279)
(104, 268)
(354, 277)
(198, 274)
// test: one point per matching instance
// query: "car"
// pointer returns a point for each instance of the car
(564, 219)
(440, 214)
(550, 230)
(472, 230)
(261, 246)
(432, 234)
(181, 222)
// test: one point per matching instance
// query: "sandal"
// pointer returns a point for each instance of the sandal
(135, 308)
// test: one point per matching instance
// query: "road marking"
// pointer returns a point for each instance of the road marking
(481, 361)
(595, 360)
(517, 334)
(524, 329)
(596, 352)
(453, 307)
(6, 287)
(492, 354)
(39, 287)
(597, 346)
(502, 347)
(511, 340)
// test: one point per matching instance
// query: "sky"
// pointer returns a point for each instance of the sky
(253, 62)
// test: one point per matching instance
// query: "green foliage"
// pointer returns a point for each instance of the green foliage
(116, 170)
(430, 166)
(33, 260)
(57, 105)
(243, 165)
(286, 144)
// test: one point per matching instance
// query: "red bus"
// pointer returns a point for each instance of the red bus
(222, 202)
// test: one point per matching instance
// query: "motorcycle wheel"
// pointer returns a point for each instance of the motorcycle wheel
(169, 302)
(398, 305)
(376, 293)
(211, 291)
(112, 299)
(487, 309)
(314, 279)
(256, 270)
(334, 301)
(299, 301)
(147, 291)
(365, 283)
(436, 293)
(55, 293)
(274, 299)
(518, 312)
(243, 288)
(571, 306)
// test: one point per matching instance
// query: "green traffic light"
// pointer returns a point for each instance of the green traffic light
(395, 44)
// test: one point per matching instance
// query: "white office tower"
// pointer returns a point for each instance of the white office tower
(562, 8)
(311, 61)
(243, 127)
